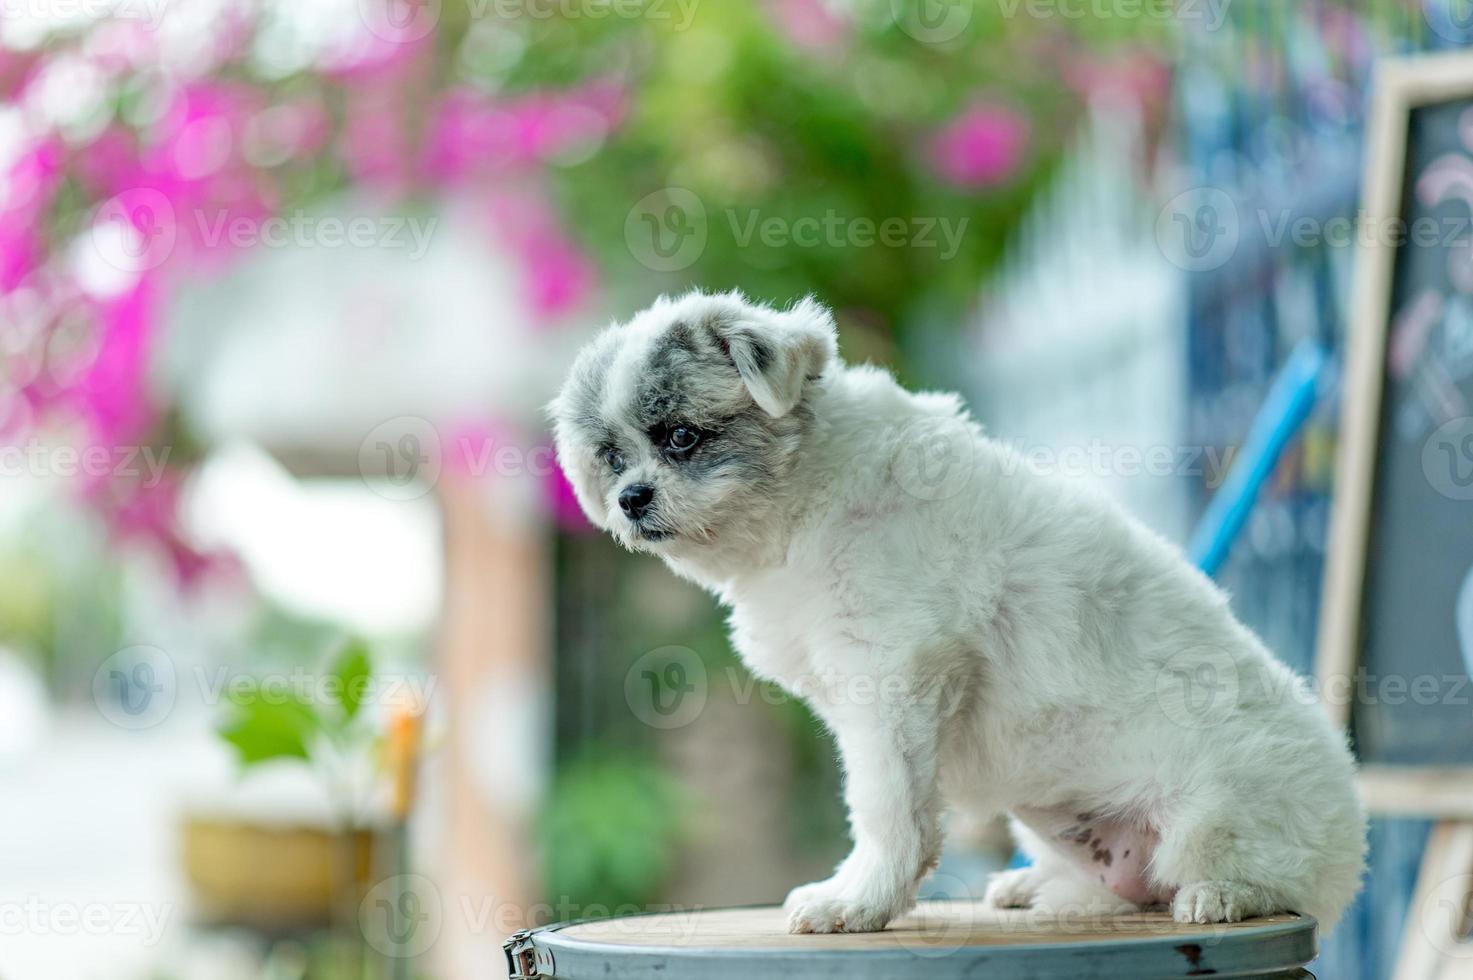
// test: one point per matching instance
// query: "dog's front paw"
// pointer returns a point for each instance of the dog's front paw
(825, 906)
(1219, 901)
(1015, 889)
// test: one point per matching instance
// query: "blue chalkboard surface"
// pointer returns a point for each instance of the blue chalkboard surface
(1413, 704)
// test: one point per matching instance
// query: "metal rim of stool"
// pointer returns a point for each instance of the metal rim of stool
(1277, 950)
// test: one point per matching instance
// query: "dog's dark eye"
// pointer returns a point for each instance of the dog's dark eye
(682, 439)
(614, 460)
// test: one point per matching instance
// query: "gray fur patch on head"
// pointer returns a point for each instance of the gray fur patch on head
(688, 378)
(733, 372)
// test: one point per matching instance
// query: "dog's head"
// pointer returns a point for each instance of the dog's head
(680, 428)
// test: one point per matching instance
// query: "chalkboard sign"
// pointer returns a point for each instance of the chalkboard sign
(1396, 634)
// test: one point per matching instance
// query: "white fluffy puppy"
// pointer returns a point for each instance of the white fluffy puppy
(969, 629)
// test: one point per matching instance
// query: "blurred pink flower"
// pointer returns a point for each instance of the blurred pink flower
(563, 503)
(138, 510)
(110, 164)
(382, 84)
(113, 392)
(560, 276)
(557, 276)
(196, 161)
(20, 252)
(118, 44)
(200, 133)
(475, 450)
(17, 68)
(25, 194)
(1138, 76)
(810, 24)
(299, 128)
(232, 32)
(474, 136)
(17, 413)
(376, 58)
(981, 147)
(375, 143)
(473, 133)
(119, 411)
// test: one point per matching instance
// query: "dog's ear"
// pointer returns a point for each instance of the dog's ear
(777, 352)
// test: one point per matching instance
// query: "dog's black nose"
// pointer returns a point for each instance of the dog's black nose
(635, 500)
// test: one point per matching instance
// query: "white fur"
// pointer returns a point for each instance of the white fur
(1011, 641)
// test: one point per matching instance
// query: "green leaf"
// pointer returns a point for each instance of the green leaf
(263, 729)
(352, 670)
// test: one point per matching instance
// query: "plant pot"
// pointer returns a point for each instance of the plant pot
(274, 878)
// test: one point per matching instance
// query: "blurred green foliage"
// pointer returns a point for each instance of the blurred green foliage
(272, 722)
(609, 832)
(61, 597)
(760, 127)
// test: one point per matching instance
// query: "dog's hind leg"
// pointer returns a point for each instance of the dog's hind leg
(1218, 875)
(1054, 882)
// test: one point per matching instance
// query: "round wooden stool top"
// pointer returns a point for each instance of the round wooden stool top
(938, 940)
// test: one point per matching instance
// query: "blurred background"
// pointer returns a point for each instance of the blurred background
(310, 668)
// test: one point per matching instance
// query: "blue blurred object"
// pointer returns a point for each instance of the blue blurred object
(1284, 412)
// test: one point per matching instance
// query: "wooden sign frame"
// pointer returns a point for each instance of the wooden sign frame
(1445, 794)
(1400, 86)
